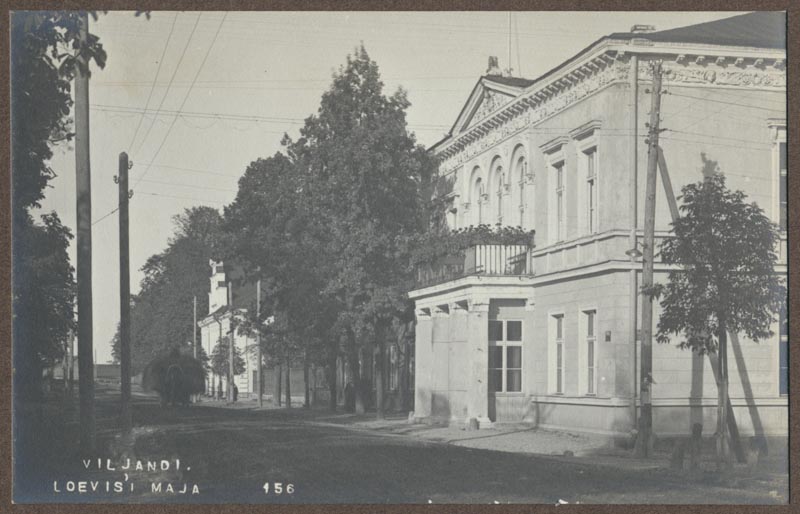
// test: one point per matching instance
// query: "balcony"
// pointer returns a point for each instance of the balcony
(477, 260)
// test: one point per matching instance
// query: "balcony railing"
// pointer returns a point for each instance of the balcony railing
(487, 260)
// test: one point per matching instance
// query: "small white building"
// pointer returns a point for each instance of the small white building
(223, 308)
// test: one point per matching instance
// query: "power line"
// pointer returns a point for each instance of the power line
(174, 72)
(185, 98)
(209, 188)
(148, 193)
(750, 106)
(270, 81)
(106, 215)
(193, 170)
(224, 116)
(155, 79)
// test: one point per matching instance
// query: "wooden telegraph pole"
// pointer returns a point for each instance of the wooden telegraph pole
(194, 326)
(231, 352)
(644, 439)
(259, 365)
(83, 187)
(124, 294)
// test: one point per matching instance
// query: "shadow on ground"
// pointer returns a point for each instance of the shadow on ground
(231, 453)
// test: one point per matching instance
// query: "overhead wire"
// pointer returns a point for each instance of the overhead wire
(185, 98)
(155, 80)
(172, 78)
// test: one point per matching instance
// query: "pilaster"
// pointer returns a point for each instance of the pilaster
(478, 348)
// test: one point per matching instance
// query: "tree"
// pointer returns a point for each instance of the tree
(45, 49)
(161, 314)
(44, 53)
(220, 360)
(725, 281)
(269, 231)
(369, 183)
(43, 295)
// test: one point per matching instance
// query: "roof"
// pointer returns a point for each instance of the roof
(762, 29)
(509, 81)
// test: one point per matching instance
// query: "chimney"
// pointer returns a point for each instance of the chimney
(643, 29)
(494, 67)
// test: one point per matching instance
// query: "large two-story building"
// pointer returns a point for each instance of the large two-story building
(549, 333)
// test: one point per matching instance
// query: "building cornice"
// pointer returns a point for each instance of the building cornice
(606, 63)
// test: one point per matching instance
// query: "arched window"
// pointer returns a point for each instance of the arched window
(477, 198)
(500, 190)
(497, 188)
(520, 174)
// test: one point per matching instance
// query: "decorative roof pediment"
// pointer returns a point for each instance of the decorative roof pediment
(487, 96)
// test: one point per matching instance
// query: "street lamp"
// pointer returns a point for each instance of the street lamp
(633, 253)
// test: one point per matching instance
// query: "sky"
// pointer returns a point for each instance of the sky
(220, 90)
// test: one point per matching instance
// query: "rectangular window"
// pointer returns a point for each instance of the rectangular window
(782, 185)
(591, 190)
(560, 206)
(505, 356)
(783, 330)
(559, 353)
(222, 283)
(591, 342)
(559, 168)
(513, 369)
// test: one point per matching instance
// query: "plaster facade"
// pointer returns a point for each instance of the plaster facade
(565, 156)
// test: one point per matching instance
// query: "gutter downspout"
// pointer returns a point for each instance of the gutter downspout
(633, 191)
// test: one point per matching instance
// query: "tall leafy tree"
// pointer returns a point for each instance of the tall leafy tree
(161, 314)
(369, 184)
(44, 51)
(725, 280)
(44, 292)
(270, 231)
(327, 225)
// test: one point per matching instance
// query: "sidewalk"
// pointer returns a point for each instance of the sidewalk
(521, 438)
(503, 437)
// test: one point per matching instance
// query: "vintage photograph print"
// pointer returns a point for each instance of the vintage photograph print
(399, 257)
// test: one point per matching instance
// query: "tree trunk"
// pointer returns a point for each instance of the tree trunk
(723, 442)
(288, 398)
(332, 390)
(379, 377)
(358, 387)
(404, 374)
(276, 394)
(307, 403)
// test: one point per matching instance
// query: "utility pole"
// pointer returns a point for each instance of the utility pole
(644, 439)
(231, 352)
(259, 365)
(124, 294)
(194, 325)
(83, 187)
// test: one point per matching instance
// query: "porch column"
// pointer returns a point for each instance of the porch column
(478, 351)
(423, 364)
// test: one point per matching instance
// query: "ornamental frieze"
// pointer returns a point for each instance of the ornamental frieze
(718, 76)
(581, 87)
